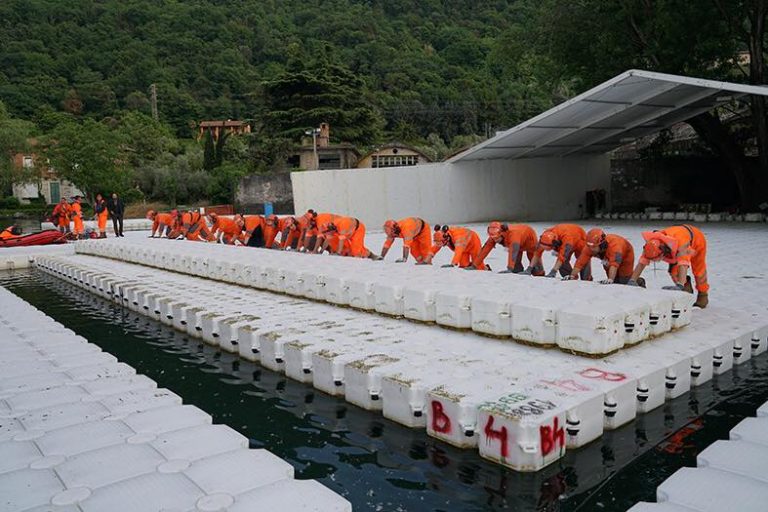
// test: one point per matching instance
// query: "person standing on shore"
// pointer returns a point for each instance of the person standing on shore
(116, 209)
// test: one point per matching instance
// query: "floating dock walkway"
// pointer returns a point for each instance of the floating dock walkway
(521, 406)
(80, 431)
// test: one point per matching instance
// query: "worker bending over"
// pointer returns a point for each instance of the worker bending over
(416, 236)
(289, 239)
(346, 237)
(273, 226)
(251, 229)
(565, 240)
(682, 247)
(311, 238)
(224, 230)
(10, 233)
(194, 227)
(464, 243)
(60, 215)
(517, 238)
(616, 253)
(162, 223)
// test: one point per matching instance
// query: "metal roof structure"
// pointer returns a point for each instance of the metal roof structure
(631, 105)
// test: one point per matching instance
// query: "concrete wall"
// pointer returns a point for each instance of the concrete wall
(536, 189)
(255, 190)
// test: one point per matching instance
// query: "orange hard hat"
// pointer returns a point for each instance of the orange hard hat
(495, 228)
(653, 249)
(595, 237)
(389, 227)
(548, 238)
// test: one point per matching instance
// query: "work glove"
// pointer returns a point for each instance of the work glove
(674, 287)
(528, 271)
(400, 260)
(448, 265)
(607, 281)
(552, 273)
(632, 282)
(567, 278)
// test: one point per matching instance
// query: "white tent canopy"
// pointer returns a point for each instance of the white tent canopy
(631, 105)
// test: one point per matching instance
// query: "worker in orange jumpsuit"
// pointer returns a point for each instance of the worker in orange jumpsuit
(162, 223)
(273, 226)
(194, 227)
(616, 253)
(289, 240)
(345, 236)
(416, 236)
(464, 243)
(681, 247)
(312, 238)
(517, 238)
(102, 215)
(251, 229)
(10, 233)
(565, 240)
(60, 215)
(77, 217)
(224, 230)
(177, 225)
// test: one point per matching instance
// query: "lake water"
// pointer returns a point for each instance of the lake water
(379, 465)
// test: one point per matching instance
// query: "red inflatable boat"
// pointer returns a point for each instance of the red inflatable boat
(49, 236)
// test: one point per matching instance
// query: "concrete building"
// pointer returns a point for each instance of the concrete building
(393, 155)
(540, 169)
(48, 184)
(317, 153)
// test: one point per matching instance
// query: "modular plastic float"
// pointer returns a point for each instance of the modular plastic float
(423, 376)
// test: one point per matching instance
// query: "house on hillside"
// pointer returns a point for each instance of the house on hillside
(47, 185)
(317, 152)
(217, 127)
(393, 155)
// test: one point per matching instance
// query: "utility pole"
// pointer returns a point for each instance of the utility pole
(153, 99)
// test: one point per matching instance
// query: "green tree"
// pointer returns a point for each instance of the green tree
(15, 137)
(91, 155)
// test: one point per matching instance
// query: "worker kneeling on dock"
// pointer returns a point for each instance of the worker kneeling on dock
(162, 223)
(517, 238)
(464, 243)
(224, 230)
(346, 237)
(616, 253)
(565, 241)
(682, 247)
(415, 233)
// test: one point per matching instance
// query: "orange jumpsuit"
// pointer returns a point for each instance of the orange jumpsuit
(7, 235)
(350, 232)
(102, 214)
(466, 246)
(61, 215)
(312, 226)
(194, 226)
(416, 236)
(253, 230)
(618, 253)
(271, 232)
(228, 228)
(77, 218)
(573, 240)
(689, 247)
(518, 239)
(163, 222)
